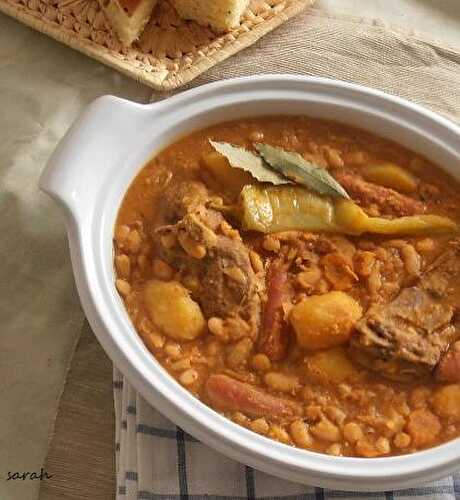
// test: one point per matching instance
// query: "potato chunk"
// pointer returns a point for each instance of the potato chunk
(423, 427)
(229, 177)
(325, 321)
(446, 402)
(332, 366)
(173, 311)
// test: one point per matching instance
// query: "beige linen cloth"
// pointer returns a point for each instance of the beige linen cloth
(82, 450)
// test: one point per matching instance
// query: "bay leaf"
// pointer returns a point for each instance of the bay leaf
(249, 162)
(299, 170)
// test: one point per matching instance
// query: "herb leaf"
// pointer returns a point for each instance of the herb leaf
(249, 162)
(296, 168)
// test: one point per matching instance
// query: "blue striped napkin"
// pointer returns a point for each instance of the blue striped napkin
(155, 460)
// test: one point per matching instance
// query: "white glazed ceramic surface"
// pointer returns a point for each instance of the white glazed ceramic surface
(90, 172)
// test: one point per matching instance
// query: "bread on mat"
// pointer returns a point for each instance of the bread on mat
(220, 15)
(128, 17)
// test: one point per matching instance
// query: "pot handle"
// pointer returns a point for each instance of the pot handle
(84, 156)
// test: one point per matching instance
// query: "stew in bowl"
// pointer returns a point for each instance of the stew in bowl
(301, 277)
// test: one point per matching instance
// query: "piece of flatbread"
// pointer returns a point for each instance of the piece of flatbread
(128, 17)
(220, 15)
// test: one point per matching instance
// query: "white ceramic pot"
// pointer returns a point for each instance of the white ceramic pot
(90, 172)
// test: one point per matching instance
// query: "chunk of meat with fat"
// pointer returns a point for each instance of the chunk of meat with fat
(388, 200)
(274, 335)
(407, 338)
(182, 198)
(232, 395)
(229, 286)
(229, 282)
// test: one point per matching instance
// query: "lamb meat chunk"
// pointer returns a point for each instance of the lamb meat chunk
(389, 201)
(180, 199)
(408, 337)
(399, 339)
(228, 285)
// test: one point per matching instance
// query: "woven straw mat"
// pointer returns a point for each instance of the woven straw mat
(171, 51)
